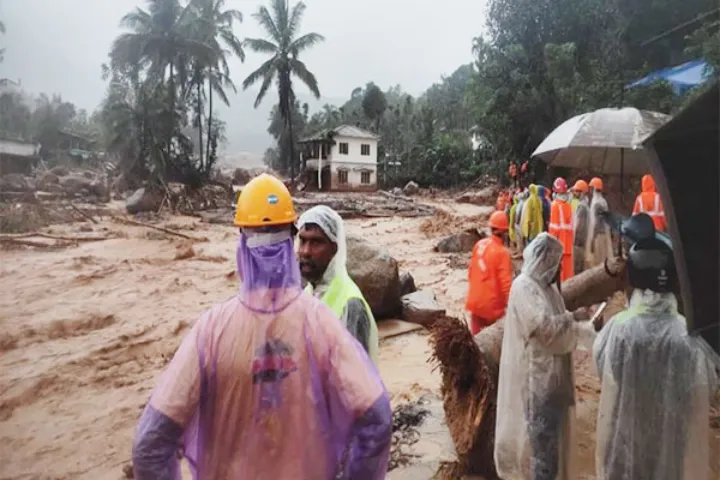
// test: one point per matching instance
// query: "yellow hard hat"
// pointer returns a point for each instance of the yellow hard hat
(264, 201)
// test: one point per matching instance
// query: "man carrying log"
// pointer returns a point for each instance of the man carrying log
(656, 381)
(489, 276)
(536, 371)
(322, 252)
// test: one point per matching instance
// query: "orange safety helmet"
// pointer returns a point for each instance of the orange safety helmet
(560, 185)
(581, 186)
(499, 221)
(264, 201)
(597, 184)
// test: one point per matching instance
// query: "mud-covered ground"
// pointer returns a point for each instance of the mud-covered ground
(85, 330)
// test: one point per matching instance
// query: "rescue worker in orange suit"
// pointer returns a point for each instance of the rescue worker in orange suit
(650, 203)
(561, 226)
(489, 276)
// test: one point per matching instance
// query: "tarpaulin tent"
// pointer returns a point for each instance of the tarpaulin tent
(681, 77)
(684, 159)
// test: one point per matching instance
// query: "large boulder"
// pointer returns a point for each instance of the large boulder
(15, 182)
(144, 200)
(76, 184)
(241, 176)
(421, 308)
(407, 284)
(376, 273)
(486, 196)
(460, 242)
(47, 179)
(411, 188)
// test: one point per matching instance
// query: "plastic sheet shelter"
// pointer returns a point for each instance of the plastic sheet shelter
(680, 77)
(684, 157)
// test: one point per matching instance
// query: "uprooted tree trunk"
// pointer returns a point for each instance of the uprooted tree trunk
(469, 369)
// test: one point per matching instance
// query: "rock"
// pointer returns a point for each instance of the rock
(15, 182)
(407, 284)
(411, 188)
(99, 189)
(376, 273)
(144, 200)
(421, 308)
(60, 171)
(241, 176)
(76, 184)
(486, 196)
(460, 242)
(396, 191)
(88, 175)
(47, 179)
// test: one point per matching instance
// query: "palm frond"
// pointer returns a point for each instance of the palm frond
(267, 69)
(295, 18)
(280, 15)
(266, 21)
(263, 90)
(299, 69)
(138, 20)
(235, 44)
(260, 45)
(217, 86)
(305, 42)
(2, 27)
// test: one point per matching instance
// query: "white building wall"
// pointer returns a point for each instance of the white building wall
(353, 162)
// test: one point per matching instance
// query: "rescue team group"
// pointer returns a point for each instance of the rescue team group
(281, 382)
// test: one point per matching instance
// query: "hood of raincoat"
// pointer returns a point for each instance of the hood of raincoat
(648, 184)
(541, 258)
(331, 223)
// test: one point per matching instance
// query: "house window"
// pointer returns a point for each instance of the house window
(344, 149)
(365, 149)
(342, 176)
(365, 176)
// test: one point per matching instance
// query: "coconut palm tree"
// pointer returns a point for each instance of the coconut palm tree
(285, 45)
(214, 27)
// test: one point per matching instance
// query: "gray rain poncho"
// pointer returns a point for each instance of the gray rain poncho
(336, 289)
(599, 242)
(656, 388)
(536, 387)
(581, 225)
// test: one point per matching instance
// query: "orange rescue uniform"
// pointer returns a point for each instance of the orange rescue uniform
(490, 278)
(561, 227)
(649, 202)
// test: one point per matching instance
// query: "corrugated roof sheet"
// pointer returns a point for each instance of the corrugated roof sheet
(8, 147)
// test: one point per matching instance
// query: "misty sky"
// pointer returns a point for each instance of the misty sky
(57, 46)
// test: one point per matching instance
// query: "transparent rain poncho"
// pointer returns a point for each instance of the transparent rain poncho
(656, 390)
(267, 385)
(536, 388)
(599, 242)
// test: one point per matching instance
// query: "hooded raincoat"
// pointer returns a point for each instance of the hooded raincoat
(532, 215)
(336, 289)
(267, 385)
(650, 203)
(656, 388)
(536, 381)
(599, 242)
(522, 201)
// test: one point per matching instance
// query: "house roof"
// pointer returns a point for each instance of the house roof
(341, 131)
(18, 149)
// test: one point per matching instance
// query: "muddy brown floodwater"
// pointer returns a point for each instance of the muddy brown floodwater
(84, 332)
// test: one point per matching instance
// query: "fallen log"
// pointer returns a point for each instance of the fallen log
(127, 221)
(51, 237)
(469, 369)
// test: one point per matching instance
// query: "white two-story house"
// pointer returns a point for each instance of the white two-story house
(341, 159)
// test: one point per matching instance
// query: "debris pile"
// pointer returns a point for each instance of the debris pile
(444, 223)
(486, 196)
(364, 205)
(56, 184)
(406, 418)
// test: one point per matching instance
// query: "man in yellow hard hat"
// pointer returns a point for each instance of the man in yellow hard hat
(322, 251)
(267, 384)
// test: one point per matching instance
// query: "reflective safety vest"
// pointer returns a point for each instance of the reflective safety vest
(561, 227)
(341, 290)
(656, 211)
